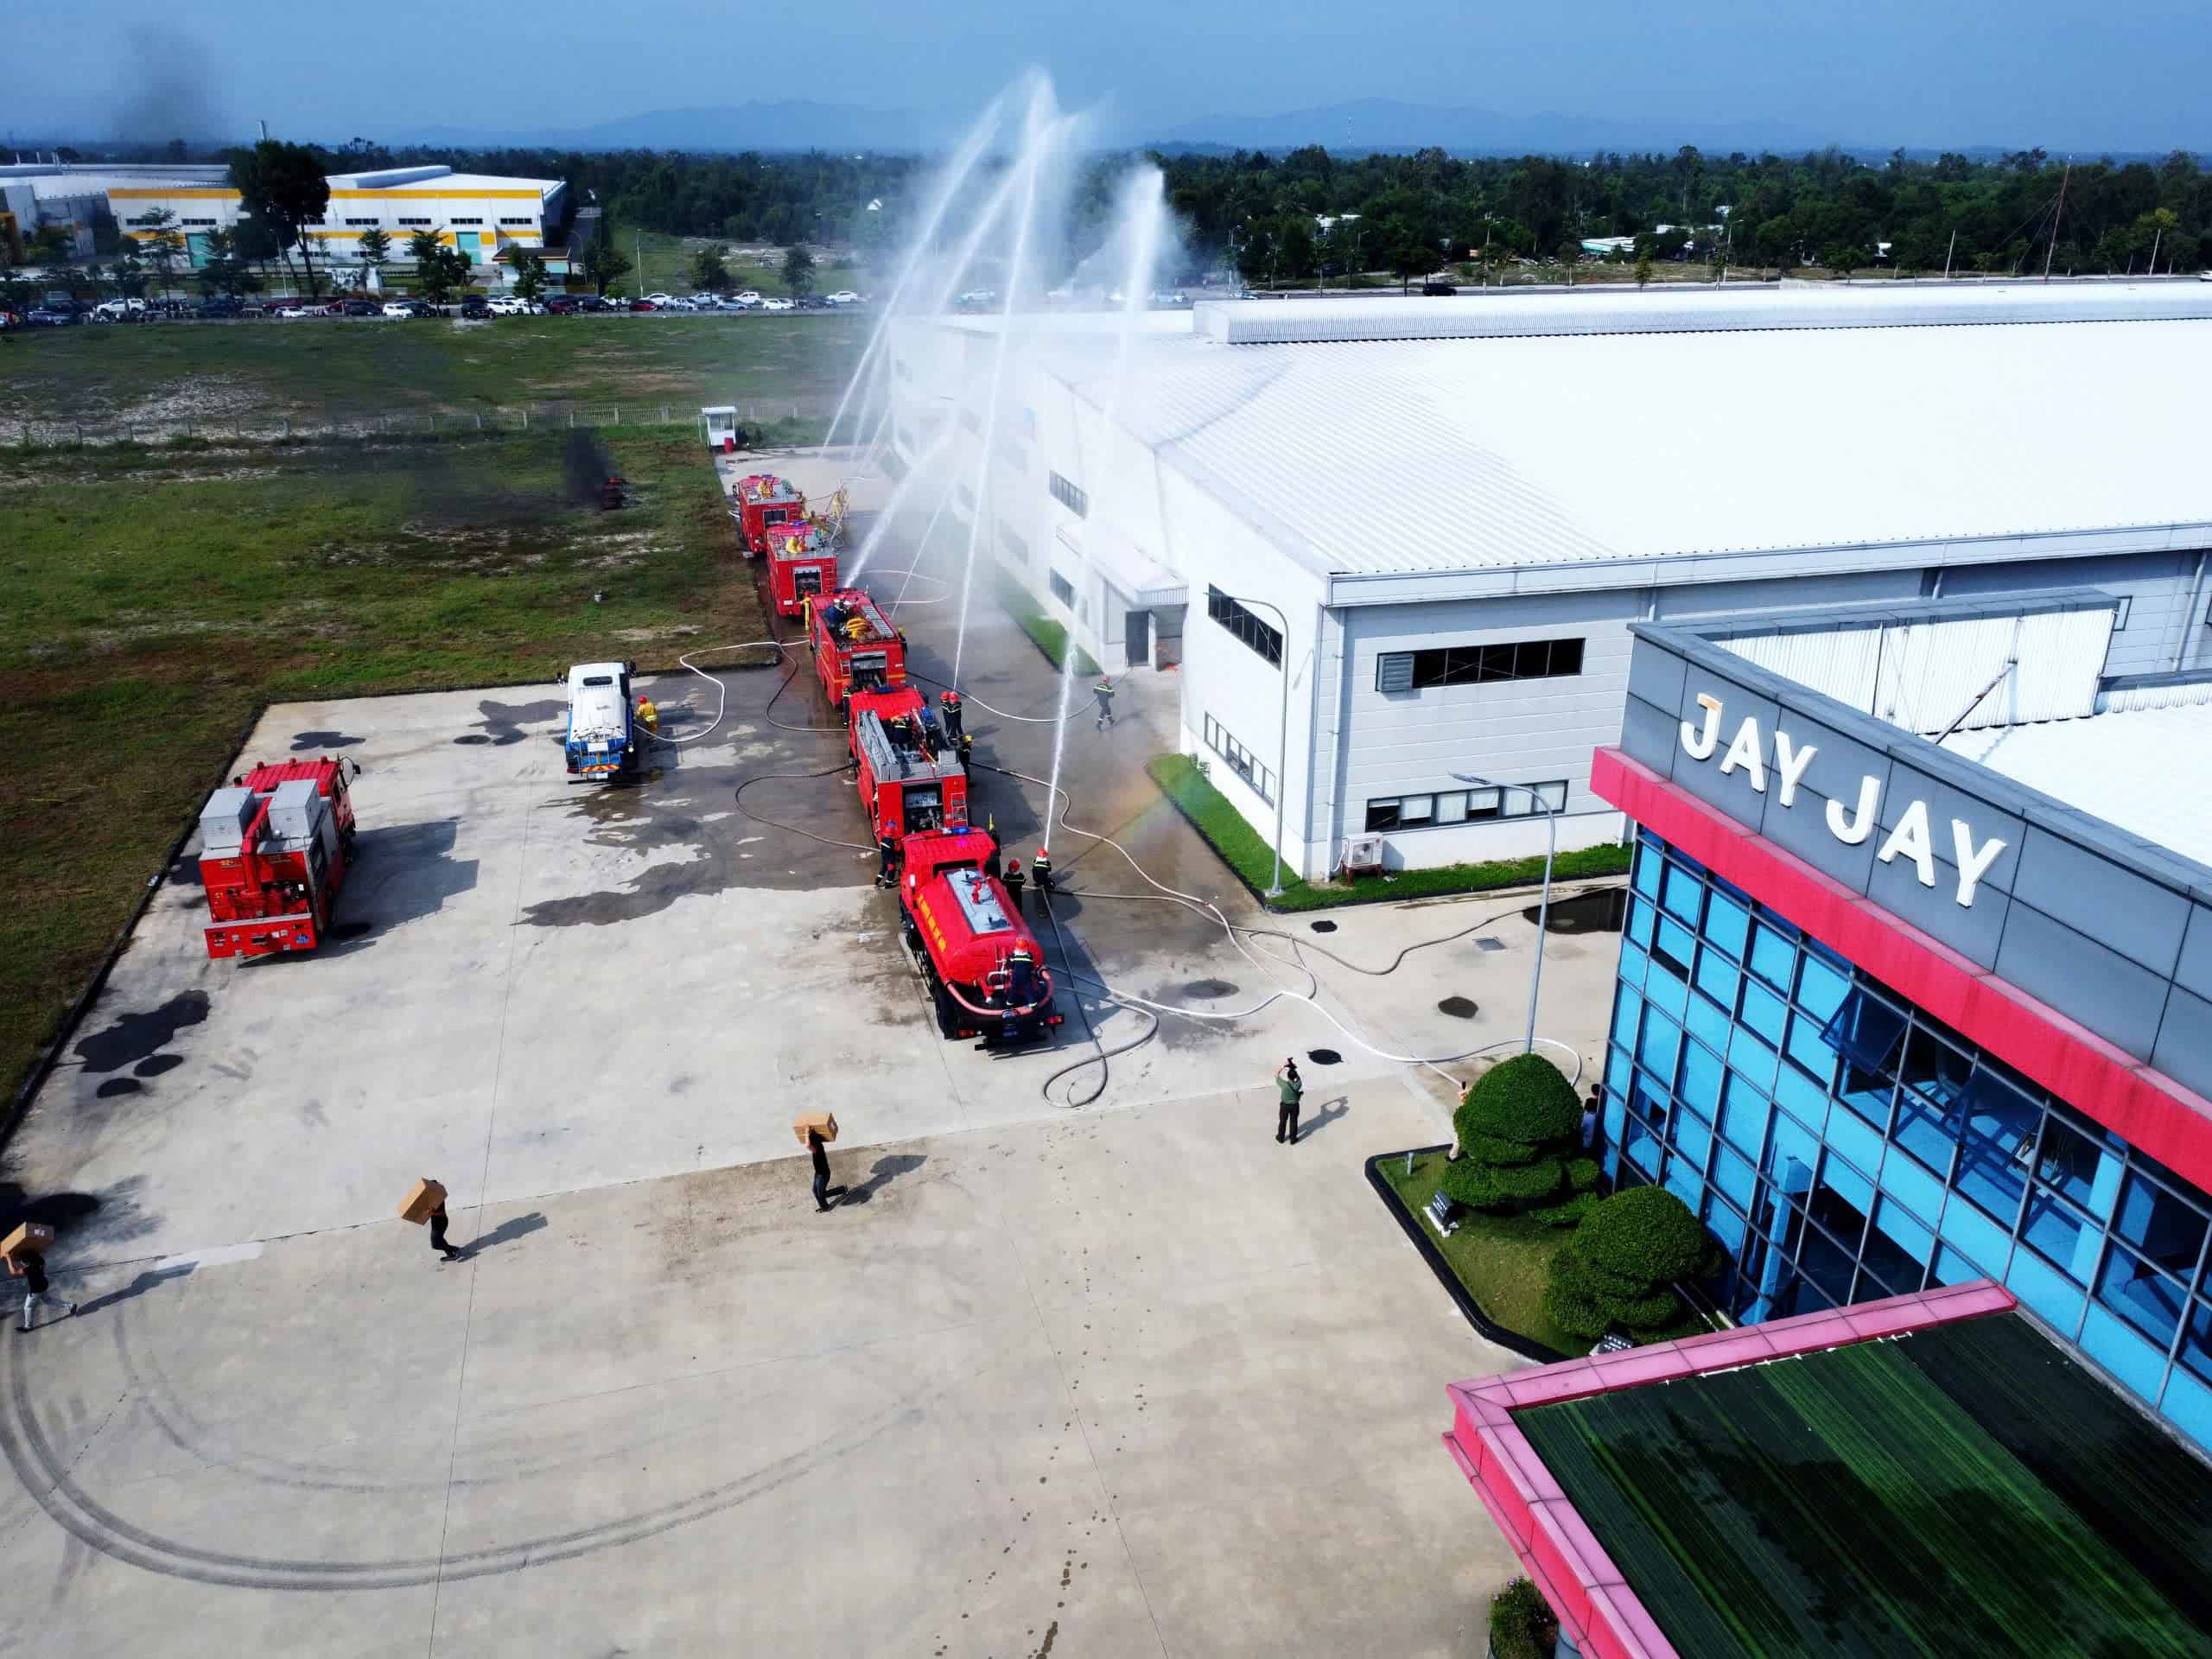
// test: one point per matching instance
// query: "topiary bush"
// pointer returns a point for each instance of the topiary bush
(1522, 1623)
(1517, 1127)
(1618, 1269)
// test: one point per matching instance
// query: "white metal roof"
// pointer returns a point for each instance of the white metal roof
(1544, 448)
(441, 181)
(2148, 771)
(1674, 309)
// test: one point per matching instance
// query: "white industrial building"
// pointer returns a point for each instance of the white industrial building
(478, 214)
(76, 197)
(1398, 542)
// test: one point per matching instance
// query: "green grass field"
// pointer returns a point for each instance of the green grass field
(157, 596)
(258, 373)
(665, 264)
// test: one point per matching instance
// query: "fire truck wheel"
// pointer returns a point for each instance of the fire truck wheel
(948, 1012)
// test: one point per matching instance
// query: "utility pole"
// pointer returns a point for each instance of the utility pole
(2151, 270)
(2057, 214)
(1947, 252)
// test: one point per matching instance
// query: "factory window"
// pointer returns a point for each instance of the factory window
(1074, 500)
(414, 221)
(1267, 640)
(1524, 659)
(1241, 759)
(364, 221)
(199, 224)
(1029, 424)
(1463, 806)
(469, 221)
(147, 218)
(1015, 547)
(1063, 590)
(524, 219)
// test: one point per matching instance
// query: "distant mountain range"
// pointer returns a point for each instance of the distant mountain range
(1371, 123)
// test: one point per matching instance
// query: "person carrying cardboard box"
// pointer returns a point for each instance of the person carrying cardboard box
(25, 1249)
(816, 1131)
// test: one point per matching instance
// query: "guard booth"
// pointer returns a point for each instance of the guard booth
(718, 422)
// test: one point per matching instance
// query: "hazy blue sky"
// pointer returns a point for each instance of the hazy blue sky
(2121, 74)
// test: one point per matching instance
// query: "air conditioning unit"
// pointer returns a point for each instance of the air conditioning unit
(1363, 856)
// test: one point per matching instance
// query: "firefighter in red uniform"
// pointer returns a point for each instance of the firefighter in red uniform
(1013, 882)
(949, 702)
(1041, 868)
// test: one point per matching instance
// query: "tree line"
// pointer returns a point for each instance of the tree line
(1308, 215)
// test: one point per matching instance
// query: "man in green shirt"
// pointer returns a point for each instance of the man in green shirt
(1289, 1091)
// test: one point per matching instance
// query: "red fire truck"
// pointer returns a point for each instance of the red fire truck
(986, 975)
(274, 846)
(911, 779)
(763, 504)
(854, 647)
(802, 564)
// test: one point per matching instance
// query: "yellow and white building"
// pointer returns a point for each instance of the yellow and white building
(478, 214)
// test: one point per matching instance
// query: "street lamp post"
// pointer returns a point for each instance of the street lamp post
(1544, 904)
(1282, 731)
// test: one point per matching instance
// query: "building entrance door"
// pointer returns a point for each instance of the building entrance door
(1136, 635)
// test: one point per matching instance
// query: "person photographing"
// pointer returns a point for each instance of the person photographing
(1290, 1091)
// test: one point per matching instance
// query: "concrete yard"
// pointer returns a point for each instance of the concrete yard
(1103, 1367)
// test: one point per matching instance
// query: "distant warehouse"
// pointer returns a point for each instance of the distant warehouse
(478, 214)
(1397, 544)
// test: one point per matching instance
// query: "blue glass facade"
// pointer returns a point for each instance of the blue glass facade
(1844, 1147)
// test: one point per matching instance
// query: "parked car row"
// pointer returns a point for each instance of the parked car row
(57, 312)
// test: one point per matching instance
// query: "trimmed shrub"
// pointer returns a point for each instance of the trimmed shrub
(1522, 1623)
(1517, 1127)
(1618, 1269)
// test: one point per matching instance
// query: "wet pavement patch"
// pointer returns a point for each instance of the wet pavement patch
(1459, 1008)
(115, 1086)
(1490, 942)
(1323, 1056)
(1600, 911)
(472, 737)
(303, 741)
(1323, 927)
(134, 1037)
(503, 722)
(1209, 988)
(155, 1065)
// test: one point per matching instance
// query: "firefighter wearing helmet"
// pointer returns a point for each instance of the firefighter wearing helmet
(648, 715)
(1040, 869)
(949, 703)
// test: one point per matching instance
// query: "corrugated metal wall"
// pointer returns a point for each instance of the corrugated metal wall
(1922, 676)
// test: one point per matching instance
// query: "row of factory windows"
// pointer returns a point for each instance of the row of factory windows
(1519, 659)
(1255, 634)
(372, 222)
(1844, 1145)
(1241, 759)
(1452, 806)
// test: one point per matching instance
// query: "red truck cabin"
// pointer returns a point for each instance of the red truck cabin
(854, 648)
(275, 848)
(802, 565)
(910, 779)
(762, 504)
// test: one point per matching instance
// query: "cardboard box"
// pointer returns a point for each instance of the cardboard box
(31, 1235)
(822, 1123)
(425, 1195)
